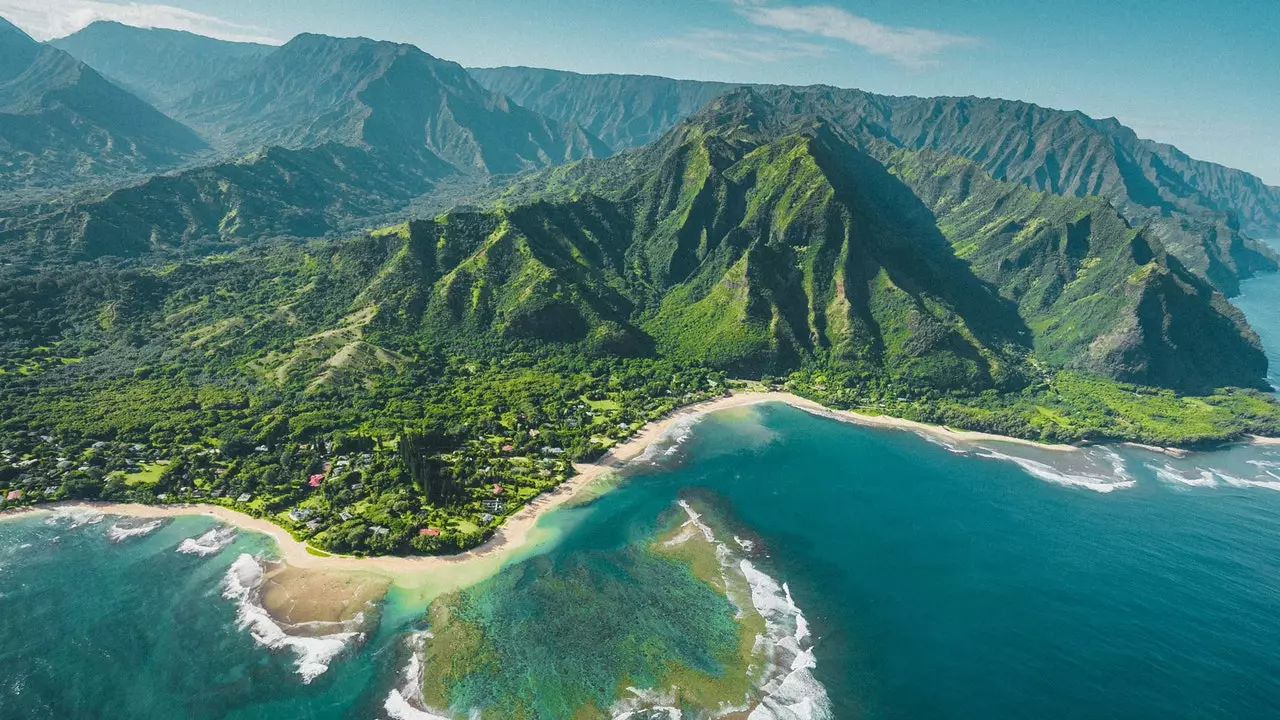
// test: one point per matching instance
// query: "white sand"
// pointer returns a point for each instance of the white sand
(444, 572)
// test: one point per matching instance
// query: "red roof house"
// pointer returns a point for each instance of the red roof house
(497, 490)
(316, 480)
(429, 532)
(14, 495)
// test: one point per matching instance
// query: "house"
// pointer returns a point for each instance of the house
(315, 480)
(13, 496)
(261, 448)
(498, 489)
(344, 516)
(162, 497)
(216, 494)
(495, 506)
(379, 530)
(246, 497)
(313, 525)
(486, 518)
(299, 514)
(429, 532)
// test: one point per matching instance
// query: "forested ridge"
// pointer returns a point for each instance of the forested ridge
(227, 334)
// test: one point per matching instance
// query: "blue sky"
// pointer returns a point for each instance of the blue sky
(1202, 74)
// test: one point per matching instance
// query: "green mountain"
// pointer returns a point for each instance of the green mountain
(159, 65)
(273, 193)
(761, 236)
(1202, 211)
(395, 98)
(355, 130)
(500, 343)
(62, 123)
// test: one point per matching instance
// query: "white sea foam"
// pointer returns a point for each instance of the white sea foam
(75, 517)
(653, 703)
(1118, 479)
(314, 654)
(210, 543)
(1234, 481)
(746, 545)
(790, 691)
(404, 702)
(119, 533)
(935, 440)
(670, 441)
(1170, 474)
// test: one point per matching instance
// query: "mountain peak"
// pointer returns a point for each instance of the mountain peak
(10, 32)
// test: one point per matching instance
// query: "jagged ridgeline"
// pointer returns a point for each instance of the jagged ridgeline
(757, 242)
(760, 239)
(1203, 212)
(320, 136)
(62, 122)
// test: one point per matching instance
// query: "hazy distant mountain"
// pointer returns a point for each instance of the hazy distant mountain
(387, 96)
(625, 111)
(63, 123)
(1198, 208)
(353, 129)
(159, 65)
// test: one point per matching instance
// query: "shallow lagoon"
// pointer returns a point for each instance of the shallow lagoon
(936, 581)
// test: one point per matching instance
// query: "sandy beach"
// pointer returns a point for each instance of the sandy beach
(519, 531)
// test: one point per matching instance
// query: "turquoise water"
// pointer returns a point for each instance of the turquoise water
(974, 581)
(936, 583)
(91, 628)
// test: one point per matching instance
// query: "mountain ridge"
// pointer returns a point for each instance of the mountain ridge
(62, 123)
(1066, 152)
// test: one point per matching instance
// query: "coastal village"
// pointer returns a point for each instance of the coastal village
(347, 493)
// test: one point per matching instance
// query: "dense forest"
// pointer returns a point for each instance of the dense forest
(226, 333)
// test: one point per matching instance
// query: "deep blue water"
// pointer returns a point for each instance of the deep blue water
(940, 582)
(1260, 300)
(938, 585)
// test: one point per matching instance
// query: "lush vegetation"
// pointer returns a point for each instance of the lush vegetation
(404, 390)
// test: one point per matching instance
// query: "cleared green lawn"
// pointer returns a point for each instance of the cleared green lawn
(148, 475)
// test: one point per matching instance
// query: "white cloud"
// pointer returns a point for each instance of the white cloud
(46, 19)
(913, 47)
(742, 48)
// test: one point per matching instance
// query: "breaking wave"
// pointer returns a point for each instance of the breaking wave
(314, 654)
(75, 517)
(123, 531)
(402, 703)
(788, 689)
(1213, 477)
(670, 441)
(210, 543)
(1117, 479)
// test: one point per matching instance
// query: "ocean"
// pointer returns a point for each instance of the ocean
(891, 575)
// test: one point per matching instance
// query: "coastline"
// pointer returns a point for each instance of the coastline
(445, 572)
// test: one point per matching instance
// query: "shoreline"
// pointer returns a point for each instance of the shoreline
(517, 532)
(514, 534)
